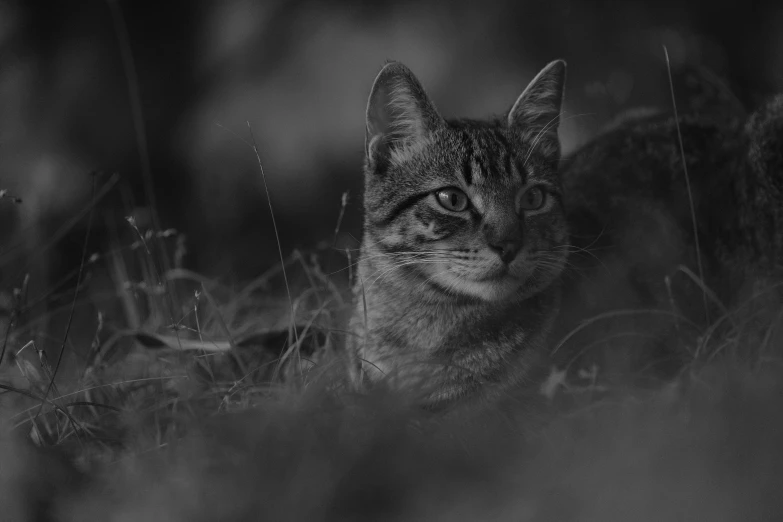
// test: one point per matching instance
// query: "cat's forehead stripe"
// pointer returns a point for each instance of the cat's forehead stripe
(507, 162)
(484, 155)
(480, 170)
(501, 138)
(487, 156)
(467, 158)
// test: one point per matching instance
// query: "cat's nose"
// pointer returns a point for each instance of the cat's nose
(507, 250)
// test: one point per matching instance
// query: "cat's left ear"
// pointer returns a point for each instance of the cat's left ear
(535, 116)
(400, 116)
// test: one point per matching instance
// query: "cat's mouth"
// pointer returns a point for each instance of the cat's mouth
(495, 285)
(486, 281)
(495, 274)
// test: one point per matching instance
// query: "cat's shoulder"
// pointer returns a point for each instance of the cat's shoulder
(642, 144)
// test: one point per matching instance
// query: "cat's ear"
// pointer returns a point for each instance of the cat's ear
(400, 116)
(535, 116)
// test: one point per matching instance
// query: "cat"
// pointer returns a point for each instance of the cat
(634, 245)
(465, 237)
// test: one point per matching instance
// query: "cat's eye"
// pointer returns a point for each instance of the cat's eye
(452, 199)
(531, 199)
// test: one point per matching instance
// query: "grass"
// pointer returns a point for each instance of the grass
(186, 399)
(200, 403)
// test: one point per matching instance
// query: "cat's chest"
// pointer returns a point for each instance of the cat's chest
(439, 329)
(432, 330)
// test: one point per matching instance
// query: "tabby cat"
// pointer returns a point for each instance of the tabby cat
(465, 237)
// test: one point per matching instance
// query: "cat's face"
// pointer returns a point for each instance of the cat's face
(465, 208)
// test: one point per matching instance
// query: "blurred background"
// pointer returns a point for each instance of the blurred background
(299, 72)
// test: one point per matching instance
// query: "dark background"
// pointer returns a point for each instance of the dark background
(300, 72)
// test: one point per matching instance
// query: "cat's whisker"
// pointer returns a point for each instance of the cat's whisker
(416, 289)
(556, 120)
(572, 249)
(387, 270)
(586, 251)
(450, 288)
(565, 267)
(538, 137)
(596, 238)
(381, 255)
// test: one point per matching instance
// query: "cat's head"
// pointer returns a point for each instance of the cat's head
(469, 208)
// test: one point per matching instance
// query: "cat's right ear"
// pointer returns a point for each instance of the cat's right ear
(400, 117)
(535, 117)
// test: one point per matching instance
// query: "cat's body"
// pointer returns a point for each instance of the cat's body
(629, 209)
(464, 240)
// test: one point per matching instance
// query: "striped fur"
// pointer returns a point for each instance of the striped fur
(458, 299)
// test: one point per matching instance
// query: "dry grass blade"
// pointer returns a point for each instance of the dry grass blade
(687, 184)
(76, 426)
(343, 204)
(226, 331)
(704, 288)
(73, 303)
(298, 346)
(620, 313)
(91, 404)
(277, 234)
